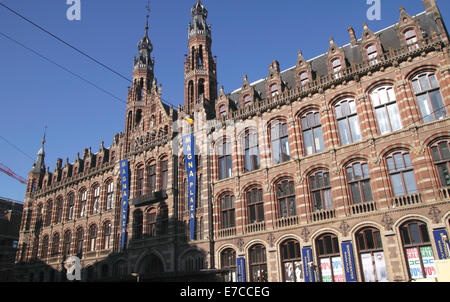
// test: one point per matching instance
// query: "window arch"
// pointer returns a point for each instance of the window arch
(95, 199)
(192, 262)
(336, 65)
(223, 111)
(410, 36)
(372, 54)
(106, 236)
(429, 97)
(320, 187)
(79, 241)
(140, 181)
(441, 159)
(48, 213)
(371, 255)
(358, 179)
(386, 109)
(164, 173)
(418, 251)
(348, 122)
(274, 90)
(251, 149)
(258, 263)
(327, 247)
(228, 262)
(44, 247)
(247, 100)
(312, 132)
(225, 161)
(150, 223)
(137, 224)
(227, 209)
(304, 78)
(151, 175)
(83, 202)
(285, 192)
(55, 245)
(280, 142)
(291, 261)
(67, 243)
(401, 173)
(92, 238)
(59, 209)
(109, 195)
(255, 205)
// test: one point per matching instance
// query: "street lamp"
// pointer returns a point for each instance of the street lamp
(135, 275)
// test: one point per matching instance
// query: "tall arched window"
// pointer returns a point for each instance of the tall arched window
(109, 195)
(429, 97)
(348, 122)
(258, 263)
(336, 64)
(255, 205)
(359, 182)
(44, 247)
(280, 142)
(59, 210)
(274, 90)
(150, 223)
(312, 133)
(386, 109)
(321, 191)
(418, 250)
(441, 158)
(251, 151)
(227, 211)
(225, 160)
(151, 174)
(140, 181)
(92, 238)
(164, 168)
(371, 255)
(304, 78)
(67, 243)
(328, 252)
(401, 173)
(83, 202)
(48, 213)
(228, 262)
(291, 261)
(286, 198)
(137, 224)
(106, 240)
(95, 200)
(55, 245)
(79, 241)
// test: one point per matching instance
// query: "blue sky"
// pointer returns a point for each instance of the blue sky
(247, 36)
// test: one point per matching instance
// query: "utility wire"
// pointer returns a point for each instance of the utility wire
(17, 148)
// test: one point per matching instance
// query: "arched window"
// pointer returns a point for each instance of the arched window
(137, 224)
(312, 133)
(140, 181)
(411, 39)
(225, 160)
(227, 211)
(429, 97)
(92, 238)
(193, 262)
(291, 261)
(109, 195)
(70, 206)
(386, 109)
(48, 213)
(336, 64)
(83, 201)
(164, 168)
(304, 78)
(79, 241)
(223, 111)
(150, 223)
(44, 247)
(274, 90)
(359, 182)
(106, 235)
(371, 255)
(120, 269)
(67, 242)
(348, 122)
(329, 258)
(255, 205)
(201, 89)
(96, 200)
(372, 54)
(280, 142)
(251, 151)
(258, 263)
(151, 174)
(418, 251)
(401, 173)
(55, 245)
(39, 214)
(228, 262)
(247, 101)
(321, 191)
(59, 210)
(441, 158)
(286, 198)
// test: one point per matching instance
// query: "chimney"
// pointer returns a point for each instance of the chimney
(353, 40)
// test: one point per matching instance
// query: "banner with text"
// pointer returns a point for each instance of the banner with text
(307, 260)
(349, 262)
(442, 243)
(125, 193)
(241, 270)
(189, 155)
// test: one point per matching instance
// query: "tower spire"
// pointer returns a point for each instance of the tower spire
(39, 164)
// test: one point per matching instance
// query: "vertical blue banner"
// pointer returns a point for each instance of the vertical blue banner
(189, 155)
(349, 262)
(307, 259)
(442, 244)
(125, 191)
(241, 277)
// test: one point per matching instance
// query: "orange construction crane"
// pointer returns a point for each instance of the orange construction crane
(8, 172)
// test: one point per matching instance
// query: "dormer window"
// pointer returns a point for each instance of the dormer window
(304, 79)
(372, 54)
(411, 39)
(247, 101)
(222, 111)
(337, 67)
(274, 90)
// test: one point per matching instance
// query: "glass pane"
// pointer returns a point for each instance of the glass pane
(317, 201)
(375, 99)
(345, 109)
(397, 185)
(380, 267)
(425, 108)
(415, 235)
(356, 132)
(424, 233)
(405, 235)
(394, 116)
(444, 175)
(350, 174)
(390, 163)
(407, 158)
(326, 178)
(317, 119)
(283, 209)
(358, 171)
(428, 261)
(435, 154)
(352, 106)
(443, 148)
(391, 94)
(416, 86)
(325, 269)
(383, 96)
(328, 199)
(424, 83)
(367, 191)
(365, 168)
(310, 118)
(292, 208)
(354, 187)
(285, 149)
(410, 182)
(369, 239)
(338, 111)
(433, 81)
(344, 132)
(438, 105)
(368, 268)
(378, 242)
(276, 151)
(309, 144)
(248, 161)
(398, 158)
(383, 121)
(318, 139)
(260, 212)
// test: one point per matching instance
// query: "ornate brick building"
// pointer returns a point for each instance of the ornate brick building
(333, 170)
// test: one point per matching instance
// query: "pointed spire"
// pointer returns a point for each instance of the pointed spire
(39, 164)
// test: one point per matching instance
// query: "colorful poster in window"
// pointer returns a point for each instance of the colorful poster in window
(325, 269)
(241, 277)
(442, 244)
(349, 263)
(368, 269)
(338, 271)
(428, 261)
(189, 155)
(307, 261)
(415, 269)
(380, 267)
(125, 190)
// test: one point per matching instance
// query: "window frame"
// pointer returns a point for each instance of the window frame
(280, 128)
(251, 147)
(285, 250)
(227, 213)
(441, 161)
(286, 198)
(255, 205)
(321, 190)
(225, 160)
(359, 181)
(305, 127)
(389, 104)
(420, 91)
(258, 260)
(401, 172)
(341, 116)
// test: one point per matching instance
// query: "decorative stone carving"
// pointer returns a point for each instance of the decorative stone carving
(344, 227)
(305, 234)
(387, 222)
(435, 213)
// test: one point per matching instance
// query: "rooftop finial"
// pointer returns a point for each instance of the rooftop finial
(45, 132)
(148, 15)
